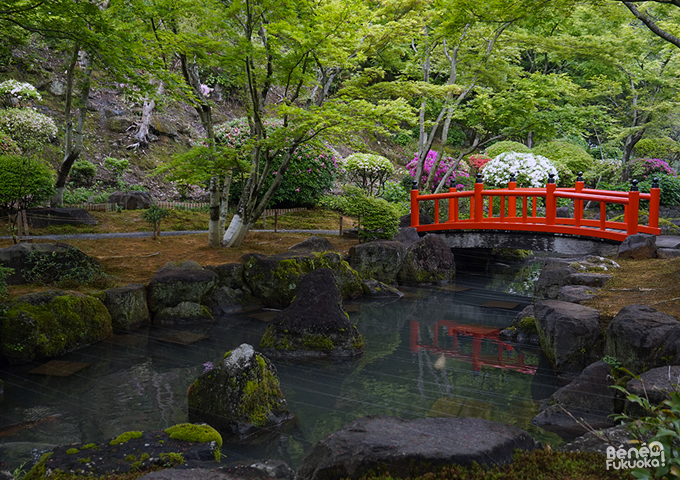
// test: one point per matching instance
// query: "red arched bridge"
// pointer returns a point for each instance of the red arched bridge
(518, 209)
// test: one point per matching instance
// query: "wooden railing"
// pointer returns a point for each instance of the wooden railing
(518, 210)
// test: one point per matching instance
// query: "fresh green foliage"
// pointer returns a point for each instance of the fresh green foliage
(8, 146)
(24, 182)
(82, 194)
(368, 171)
(83, 172)
(377, 217)
(4, 288)
(65, 269)
(607, 171)
(670, 189)
(117, 166)
(530, 170)
(28, 128)
(395, 192)
(664, 148)
(644, 168)
(189, 432)
(506, 146)
(570, 157)
(153, 216)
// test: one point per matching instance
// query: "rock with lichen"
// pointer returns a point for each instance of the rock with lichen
(173, 288)
(315, 324)
(428, 260)
(240, 396)
(127, 306)
(44, 325)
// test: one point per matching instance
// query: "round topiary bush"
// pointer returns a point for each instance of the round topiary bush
(28, 128)
(25, 182)
(664, 148)
(506, 146)
(311, 171)
(530, 170)
(368, 171)
(568, 158)
(83, 172)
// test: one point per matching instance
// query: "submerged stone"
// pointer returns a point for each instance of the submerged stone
(240, 396)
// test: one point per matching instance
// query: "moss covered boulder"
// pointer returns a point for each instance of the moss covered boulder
(240, 396)
(127, 306)
(315, 324)
(275, 279)
(428, 260)
(43, 325)
(380, 260)
(175, 285)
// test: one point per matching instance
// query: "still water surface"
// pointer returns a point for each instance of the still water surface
(434, 352)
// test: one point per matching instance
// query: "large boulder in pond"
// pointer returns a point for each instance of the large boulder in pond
(570, 334)
(22, 258)
(428, 260)
(588, 400)
(275, 279)
(637, 335)
(380, 259)
(44, 217)
(638, 247)
(378, 445)
(39, 326)
(240, 396)
(127, 306)
(315, 324)
(553, 276)
(188, 285)
(131, 200)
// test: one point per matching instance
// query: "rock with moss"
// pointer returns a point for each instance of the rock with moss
(570, 334)
(21, 256)
(429, 260)
(523, 328)
(380, 259)
(127, 306)
(375, 289)
(183, 312)
(275, 279)
(229, 275)
(313, 244)
(240, 396)
(172, 286)
(44, 325)
(315, 324)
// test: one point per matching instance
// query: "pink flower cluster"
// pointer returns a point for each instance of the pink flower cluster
(442, 168)
(478, 161)
(651, 166)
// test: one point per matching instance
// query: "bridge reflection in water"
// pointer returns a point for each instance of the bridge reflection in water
(487, 349)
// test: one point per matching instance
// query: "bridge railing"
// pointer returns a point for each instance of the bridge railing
(519, 210)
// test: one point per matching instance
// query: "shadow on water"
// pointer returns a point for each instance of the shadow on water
(435, 352)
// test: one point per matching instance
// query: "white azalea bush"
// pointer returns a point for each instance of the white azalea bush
(368, 171)
(530, 170)
(12, 91)
(28, 128)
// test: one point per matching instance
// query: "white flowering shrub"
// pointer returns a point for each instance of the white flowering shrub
(530, 170)
(368, 171)
(28, 128)
(12, 91)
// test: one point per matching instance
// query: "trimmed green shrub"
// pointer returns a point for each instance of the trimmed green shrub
(310, 174)
(378, 218)
(506, 146)
(368, 171)
(568, 158)
(24, 182)
(606, 171)
(664, 148)
(154, 215)
(28, 128)
(117, 166)
(670, 189)
(83, 172)
(8, 146)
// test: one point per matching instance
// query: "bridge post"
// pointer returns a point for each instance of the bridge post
(655, 192)
(633, 210)
(578, 204)
(479, 205)
(550, 206)
(512, 201)
(415, 209)
(453, 206)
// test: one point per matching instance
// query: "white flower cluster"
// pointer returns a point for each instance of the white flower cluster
(530, 170)
(27, 127)
(367, 163)
(12, 89)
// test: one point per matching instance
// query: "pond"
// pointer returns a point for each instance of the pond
(434, 352)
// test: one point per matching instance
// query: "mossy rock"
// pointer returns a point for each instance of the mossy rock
(174, 285)
(127, 306)
(240, 396)
(183, 312)
(44, 325)
(428, 260)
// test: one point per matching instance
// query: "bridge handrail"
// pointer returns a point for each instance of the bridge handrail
(524, 221)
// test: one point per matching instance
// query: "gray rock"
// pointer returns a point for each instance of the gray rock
(577, 293)
(638, 247)
(44, 217)
(131, 200)
(668, 252)
(182, 264)
(405, 448)
(17, 258)
(407, 235)
(588, 400)
(313, 244)
(183, 312)
(636, 335)
(380, 259)
(429, 260)
(655, 384)
(225, 300)
(600, 440)
(127, 306)
(229, 275)
(240, 396)
(119, 124)
(315, 324)
(521, 330)
(563, 212)
(171, 286)
(161, 125)
(554, 273)
(570, 334)
(424, 219)
(57, 88)
(376, 289)
(588, 279)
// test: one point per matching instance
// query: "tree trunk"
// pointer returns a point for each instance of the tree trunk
(143, 136)
(236, 232)
(224, 202)
(214, 239)
(628, 146)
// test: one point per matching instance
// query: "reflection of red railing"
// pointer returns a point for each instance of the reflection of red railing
(477, 359)
(518, 212)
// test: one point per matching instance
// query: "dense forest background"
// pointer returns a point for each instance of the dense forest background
(259, 101)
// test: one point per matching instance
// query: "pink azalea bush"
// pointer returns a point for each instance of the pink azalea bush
(454, 180)
(478, 160)
(644, 168)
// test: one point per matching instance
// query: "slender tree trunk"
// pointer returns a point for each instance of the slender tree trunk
(224, 202)
(214, 239)
(143, 135)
